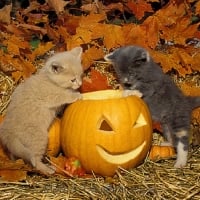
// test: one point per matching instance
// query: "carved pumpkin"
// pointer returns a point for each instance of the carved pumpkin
(53, 147)
(105, 131)
(158, 152)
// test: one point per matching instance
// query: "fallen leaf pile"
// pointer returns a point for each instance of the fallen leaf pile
(170, 30)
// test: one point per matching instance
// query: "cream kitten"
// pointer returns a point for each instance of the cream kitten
(24, 131)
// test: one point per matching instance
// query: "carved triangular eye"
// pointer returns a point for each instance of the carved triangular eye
(140, 121)
(104, 126)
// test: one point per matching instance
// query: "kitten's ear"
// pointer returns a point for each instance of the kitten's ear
(77, 51)
(56, 67)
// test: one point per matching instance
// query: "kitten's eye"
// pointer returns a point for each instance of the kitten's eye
(140, 61)
(73, 80)
(56, 68)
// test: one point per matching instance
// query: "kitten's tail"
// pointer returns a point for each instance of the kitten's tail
(194, 101)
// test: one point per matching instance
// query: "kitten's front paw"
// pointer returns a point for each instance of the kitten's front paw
(44, 168)
(127, 93)
(76, 96)
(180, 163)
(80, 96)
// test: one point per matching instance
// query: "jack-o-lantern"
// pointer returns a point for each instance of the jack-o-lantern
(105, 131)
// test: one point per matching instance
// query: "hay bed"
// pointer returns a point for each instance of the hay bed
(151, 180)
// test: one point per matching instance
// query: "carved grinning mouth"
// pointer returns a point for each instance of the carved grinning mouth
(120, 158)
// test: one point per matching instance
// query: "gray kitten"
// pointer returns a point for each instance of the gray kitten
(168, 105)
(24, 131)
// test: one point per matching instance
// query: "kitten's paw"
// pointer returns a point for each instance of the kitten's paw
(80, 96)
(180, 164)
(181, 160)
(74, 96)
(46, 169)
(126, 93)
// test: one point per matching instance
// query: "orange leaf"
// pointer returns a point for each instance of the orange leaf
(12, 170)
(197, 10)
(5, 13)
(90, 55)
(174, 59)
(113, 36)
(27, 69)
(157, 126)
(139, 8)
(42, 49)
(97, 81)
(134, 34)
(59, 162)
(191, 90)
(152, 26)
(13, 175)
(58, 5)
(14, 44)
(91, 19)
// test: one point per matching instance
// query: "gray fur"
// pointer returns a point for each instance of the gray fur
(24, 131)
(168, 105)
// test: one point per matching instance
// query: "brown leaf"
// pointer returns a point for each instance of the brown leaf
(95, 7)
(13, 28)
(58, 5)
(197, 6)
(90, 55)
(116, 41)
(33, 28)
(192, 90)
(152, 26)
(173, 59)
(139, 8)
(14, 44)
(115, 6)
(91, 19)
(97, 81)
(42, 49)
(12, 170)
(13, 175)
(134, 34)
(5, 13)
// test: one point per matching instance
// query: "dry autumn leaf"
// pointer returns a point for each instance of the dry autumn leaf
(12, 170)
(14, 44)
(90, 55)
(165, 33)
(134, 34)
(139, 8)
(5, 13)
(13, 175)
(42, 49)
(152, 26)
(97, 81)
(57, 5)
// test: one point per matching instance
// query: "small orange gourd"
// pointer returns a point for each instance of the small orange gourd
(106, 131)
(159, 152)
(53, 147)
